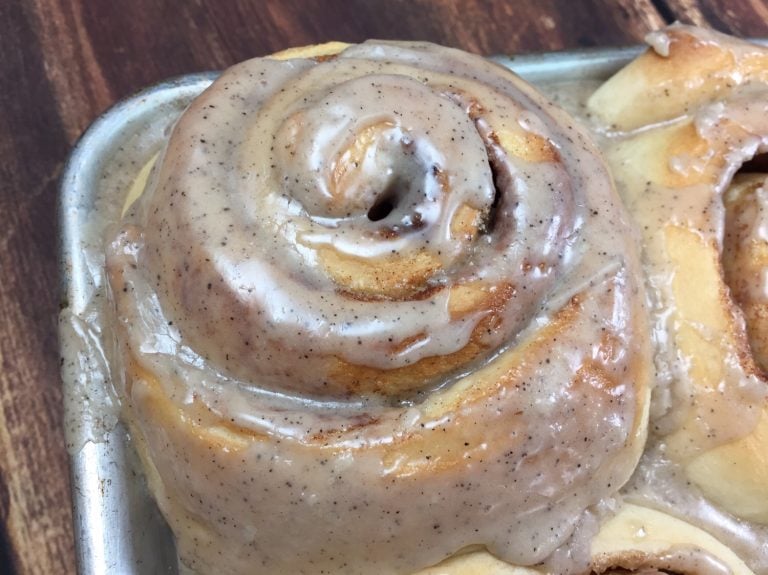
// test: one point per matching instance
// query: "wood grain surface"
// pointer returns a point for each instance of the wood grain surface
(62, 62)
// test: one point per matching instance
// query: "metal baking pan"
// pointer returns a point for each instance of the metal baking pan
(118, 528)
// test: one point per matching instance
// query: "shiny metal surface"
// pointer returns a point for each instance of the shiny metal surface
(118, 528)
(593, 64)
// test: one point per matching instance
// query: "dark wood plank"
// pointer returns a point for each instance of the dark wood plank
(746, 18)
(35, 514)
(100, 50)
(64, 61)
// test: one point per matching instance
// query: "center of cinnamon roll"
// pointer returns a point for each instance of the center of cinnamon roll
(376, 178)
(745, 257)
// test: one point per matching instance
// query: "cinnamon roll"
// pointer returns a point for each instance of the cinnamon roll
(649, 542)
(379, 304)
(674, 164)
(678, 124)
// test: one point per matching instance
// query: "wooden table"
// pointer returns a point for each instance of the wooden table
(63, 62)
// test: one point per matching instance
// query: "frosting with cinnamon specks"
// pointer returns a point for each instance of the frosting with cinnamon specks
(378, 307)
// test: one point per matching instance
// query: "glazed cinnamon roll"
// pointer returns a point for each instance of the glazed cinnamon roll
(679, 122)
(645, 541)
(379, 304)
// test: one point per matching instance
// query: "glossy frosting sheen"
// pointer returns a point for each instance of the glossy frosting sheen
(376, 308)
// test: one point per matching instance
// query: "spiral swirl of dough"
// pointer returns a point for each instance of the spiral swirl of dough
(379, 306)
(363, 228)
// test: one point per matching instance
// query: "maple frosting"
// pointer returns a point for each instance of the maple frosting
(378, 306)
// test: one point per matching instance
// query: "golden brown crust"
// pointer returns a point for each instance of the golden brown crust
(699, 69)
